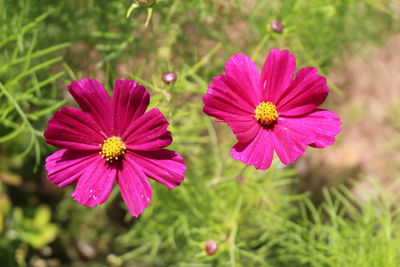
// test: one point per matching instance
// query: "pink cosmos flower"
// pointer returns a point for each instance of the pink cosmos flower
(277, 111)
(110, 140)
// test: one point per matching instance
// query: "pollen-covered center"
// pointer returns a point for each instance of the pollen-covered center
(112, 148)
(266, 113)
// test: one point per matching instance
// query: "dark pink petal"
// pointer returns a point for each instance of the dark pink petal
(93, 98)
(148, 132)
(307, 91)
(290, 141)
(224, 99)
(277, 74)
(258, 152)
(324, 125)
(135, 187)
(74, 129)
(130, 101)
(225, 102)
(66, 166)
(244, 72)
(245, 128)
(96, 182)
(164, 166)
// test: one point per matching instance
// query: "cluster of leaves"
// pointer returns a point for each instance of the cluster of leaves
(256, 218)
(27, 96)
(24, 87)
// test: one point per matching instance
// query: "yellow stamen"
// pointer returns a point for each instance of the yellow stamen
(266, 113)
(112, 148)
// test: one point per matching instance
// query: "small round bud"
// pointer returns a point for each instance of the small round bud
(211, 247)
(169, 77)
(240, 179)
(277, 26)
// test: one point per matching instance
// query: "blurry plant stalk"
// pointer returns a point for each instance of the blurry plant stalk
(143, 3)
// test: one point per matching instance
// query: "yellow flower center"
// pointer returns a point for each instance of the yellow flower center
(112, 148)
(266, 113)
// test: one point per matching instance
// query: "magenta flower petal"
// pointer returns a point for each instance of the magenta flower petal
(244, 128)
(306, 93)
(149, 132)
(65, 167)
(291, 142)
(259, 152)
(277, 74)
(225, 99)
(93, 98)
(274, 112)
(95, 184)
(244, 72)
(225, 102)
(323, 125)
(74, 129)
(135, 187)
(164, 166)
(130, 101)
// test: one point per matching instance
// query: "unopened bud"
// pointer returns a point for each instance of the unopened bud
(169, 77)
(211, 247)
(240, 179)
(277, 26)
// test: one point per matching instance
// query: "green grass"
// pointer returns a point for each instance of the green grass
(263, 221)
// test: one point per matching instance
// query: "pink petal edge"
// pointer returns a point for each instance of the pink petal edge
(95, 184)
(164, 166)
(74, 129)
(148, 132)
(135, 187)
(65, 167)
(130, 101)
(258, 152)
(93, 98)
(244, 72)
(277, 74)
(305, 94)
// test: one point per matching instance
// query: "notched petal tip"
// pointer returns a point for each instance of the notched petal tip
(258, 152)
(95, 185)
(240, 57)
(135, 187)
(283, 51)
(85, 85)
(130, 101)
(277, 74)
(148, 132)
(163, 165)
(73, 129)
(329, 127)
(94, 100)
(305, 93)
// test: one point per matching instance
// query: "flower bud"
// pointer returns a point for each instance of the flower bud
(211, 247)
(169, 77)
(277, 26)
(240, 179)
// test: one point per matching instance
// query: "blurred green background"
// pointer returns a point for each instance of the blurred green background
(337, 207)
